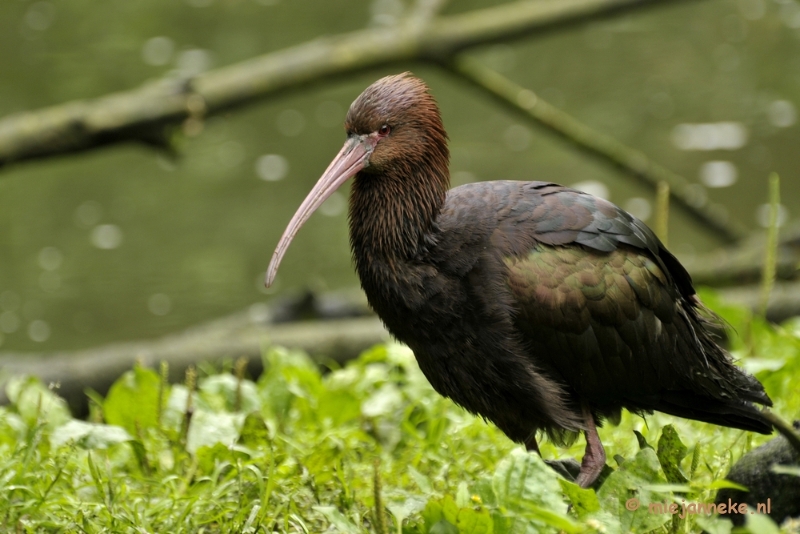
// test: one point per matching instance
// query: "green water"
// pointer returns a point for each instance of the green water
(123, 243)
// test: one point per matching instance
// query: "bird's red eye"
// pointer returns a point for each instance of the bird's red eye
(385, 129)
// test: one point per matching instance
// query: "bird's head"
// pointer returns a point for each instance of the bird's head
(393, 128)
(397, 122)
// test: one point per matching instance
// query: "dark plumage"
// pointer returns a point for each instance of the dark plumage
(534, 305)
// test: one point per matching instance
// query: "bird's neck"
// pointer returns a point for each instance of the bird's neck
(393, 214)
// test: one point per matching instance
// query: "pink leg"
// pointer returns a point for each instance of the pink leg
(594, 458)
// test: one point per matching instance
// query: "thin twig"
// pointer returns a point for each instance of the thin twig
(662, 212)
(771, 257)
(380, 523)
(239, 370)
(530, 106)
(163, 385)
(191, 386)
(783, 427)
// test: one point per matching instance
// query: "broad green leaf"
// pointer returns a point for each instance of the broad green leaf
(714, 524)
(558, 520)
(287, 375)
(88, 435)
(450, 510)
(175, 410)
(35, 402)
(208, 429)
(485, 491)
(254, 431)
(471, 521)
(447, 517)
(226, 387)
(432, 513)
(530, 490)
(132, 400)
(586, 506)
(462, 495)
(378, 353)
(338, 407)
(523, 478)
(403, 507)
(12, 427)
(422, 481)
(503, 524)
(443, 527)
(385, 400)
(671, 451)
(761, 524)
(338, 520)
(400, 355)
(584, 501)
(625, 496)
(209, 456)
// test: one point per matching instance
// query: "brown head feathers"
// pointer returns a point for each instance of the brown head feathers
(389, 100)
(417, 142)
(398, 195)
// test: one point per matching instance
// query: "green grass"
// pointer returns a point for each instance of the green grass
(366, 448)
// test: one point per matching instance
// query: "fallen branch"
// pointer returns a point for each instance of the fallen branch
(529, 105)
(783, 303)
(237, 336)
(147, 114)
(744, 263)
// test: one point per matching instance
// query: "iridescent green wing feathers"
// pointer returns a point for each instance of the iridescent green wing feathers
(601, 302)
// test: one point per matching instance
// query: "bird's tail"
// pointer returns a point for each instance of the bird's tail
(732, 413)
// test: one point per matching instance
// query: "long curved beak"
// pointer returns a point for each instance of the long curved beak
(353, 157)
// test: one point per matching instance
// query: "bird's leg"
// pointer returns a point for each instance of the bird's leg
(532, 445)
(594, 458)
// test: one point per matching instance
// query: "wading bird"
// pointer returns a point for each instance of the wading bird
(536, 306)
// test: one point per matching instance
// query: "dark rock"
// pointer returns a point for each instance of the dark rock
(779, 493)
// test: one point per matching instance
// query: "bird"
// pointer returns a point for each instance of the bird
(541, 308)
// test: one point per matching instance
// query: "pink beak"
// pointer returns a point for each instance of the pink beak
(353, 157)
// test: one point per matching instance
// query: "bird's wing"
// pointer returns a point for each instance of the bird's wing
(550, 214)
(601, 301)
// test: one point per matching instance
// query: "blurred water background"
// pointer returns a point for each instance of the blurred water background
(125, 243)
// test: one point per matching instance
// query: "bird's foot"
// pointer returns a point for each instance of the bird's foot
(594, 458)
